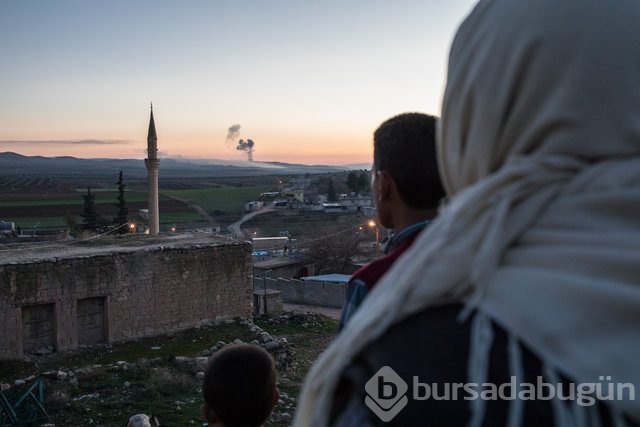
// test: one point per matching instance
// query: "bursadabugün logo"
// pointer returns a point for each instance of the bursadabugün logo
(386, 394)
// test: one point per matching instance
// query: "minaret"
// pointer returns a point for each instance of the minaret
(153, 163)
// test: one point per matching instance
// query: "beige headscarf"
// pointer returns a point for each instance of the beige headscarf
(540, 151)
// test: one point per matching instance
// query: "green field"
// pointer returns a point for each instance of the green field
(180, 217)
(220, 199)
(41, 211)
(29, 224)
(100, 197)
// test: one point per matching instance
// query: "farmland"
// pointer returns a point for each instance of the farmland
(43, 195)
(37, 202)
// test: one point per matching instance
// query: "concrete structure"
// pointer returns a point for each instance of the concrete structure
(301, 182)
(7, 227)
(68, 296)
(368, 211)
(252, 206)
(267, 301)
(293, 194)
(353, 204)
(144, 214)
(319, 293)
(285, 266)
(333, 208)
(331, 278)
(270, 243)
(153, 164)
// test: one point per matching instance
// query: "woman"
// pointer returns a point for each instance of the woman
(533, 268)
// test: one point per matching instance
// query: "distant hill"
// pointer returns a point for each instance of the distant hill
(14, 163)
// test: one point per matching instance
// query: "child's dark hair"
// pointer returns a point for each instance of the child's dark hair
(240, 385)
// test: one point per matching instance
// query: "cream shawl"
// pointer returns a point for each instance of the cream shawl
(540, 152)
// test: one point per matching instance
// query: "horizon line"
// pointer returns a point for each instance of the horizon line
(186, 159)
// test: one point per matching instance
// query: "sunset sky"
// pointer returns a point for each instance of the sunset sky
(307, 80)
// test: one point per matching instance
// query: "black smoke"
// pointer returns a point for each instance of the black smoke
(247, 147)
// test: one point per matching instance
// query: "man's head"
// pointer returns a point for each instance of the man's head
(239, 386)
(405, 171)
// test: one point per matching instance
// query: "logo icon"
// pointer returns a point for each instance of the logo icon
(386, 394)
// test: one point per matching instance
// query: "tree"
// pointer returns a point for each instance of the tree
(91, 218)
(72, 223)
(353, 181)
(336, 253)
(331, 192)
(122, 215)
(364, 182)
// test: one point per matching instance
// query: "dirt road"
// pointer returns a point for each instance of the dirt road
(235, 228)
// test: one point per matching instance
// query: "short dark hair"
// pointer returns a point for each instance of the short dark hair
(240, 385)
(405, 147)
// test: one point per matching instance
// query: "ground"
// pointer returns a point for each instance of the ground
(104, 386)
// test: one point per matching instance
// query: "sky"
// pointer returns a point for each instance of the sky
(307, 80)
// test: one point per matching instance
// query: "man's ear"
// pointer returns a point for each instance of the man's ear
(384, 184)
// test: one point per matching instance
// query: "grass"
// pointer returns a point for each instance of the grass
(221, 199)
(180, 217)
(101, 197)
(41, 202)
(110, 397)
(134, 377)
(29, 224)
(227, 199)
(98, 190)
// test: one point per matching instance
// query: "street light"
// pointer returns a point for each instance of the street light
(132, 227)
(373, 225)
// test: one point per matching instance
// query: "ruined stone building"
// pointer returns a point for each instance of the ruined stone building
(59, 298)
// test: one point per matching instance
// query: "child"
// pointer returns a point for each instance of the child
(139, 420)
(143, 420)
(239, 387)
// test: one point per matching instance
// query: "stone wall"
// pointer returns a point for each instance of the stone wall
(294, 268)
(305, 292)
(122, 295)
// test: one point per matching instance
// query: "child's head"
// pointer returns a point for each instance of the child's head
(139, 420)
(239, 386)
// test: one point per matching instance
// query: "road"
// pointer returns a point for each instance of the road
(197, 208)
(235, 228)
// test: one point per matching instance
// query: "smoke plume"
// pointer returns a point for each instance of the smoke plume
(233, 133)
(247, 147)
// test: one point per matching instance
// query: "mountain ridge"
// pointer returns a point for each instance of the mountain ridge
(15, 163)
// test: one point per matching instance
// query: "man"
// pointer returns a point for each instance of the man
(406, 190)
(530, 275)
